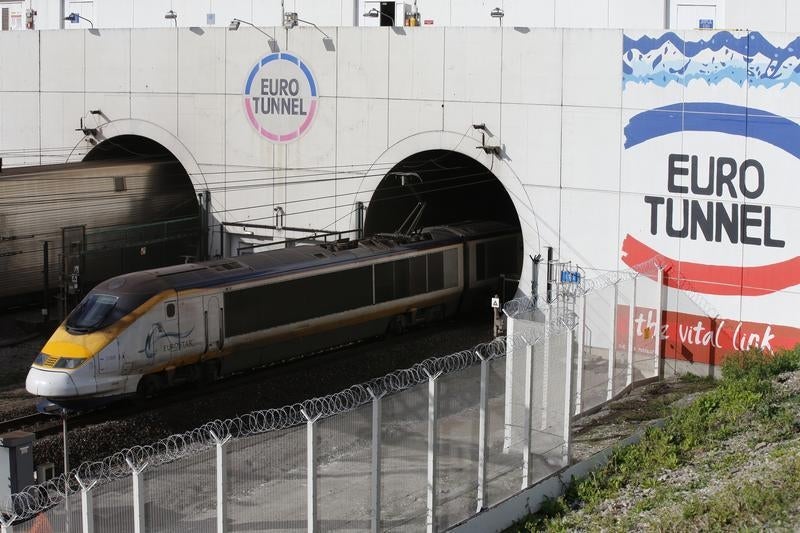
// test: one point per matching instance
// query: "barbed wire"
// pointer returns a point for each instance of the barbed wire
(38, 498)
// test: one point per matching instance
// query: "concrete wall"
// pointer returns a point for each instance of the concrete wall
(553, 99)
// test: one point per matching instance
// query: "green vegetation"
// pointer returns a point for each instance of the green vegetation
(697, 472)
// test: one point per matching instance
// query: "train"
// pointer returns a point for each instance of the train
(141, 332)
(86, 213)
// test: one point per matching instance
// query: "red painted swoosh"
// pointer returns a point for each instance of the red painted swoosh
(713, 279)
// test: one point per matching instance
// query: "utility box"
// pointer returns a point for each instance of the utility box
(16, 462)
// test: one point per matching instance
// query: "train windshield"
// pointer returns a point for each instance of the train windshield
(91, 313)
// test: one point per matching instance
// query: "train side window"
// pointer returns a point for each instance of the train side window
(435, 272)
(401, 284)
(171, 310)
(451, 268)
(418, 274)
(480, 261)
(384, 282)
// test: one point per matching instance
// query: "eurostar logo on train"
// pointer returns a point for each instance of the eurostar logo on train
(280, 97)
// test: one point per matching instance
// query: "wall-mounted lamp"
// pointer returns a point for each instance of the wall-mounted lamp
(171, 15)
(374, 13)
(498, 14)
(75, 18)
(235, 23)
(291, 19)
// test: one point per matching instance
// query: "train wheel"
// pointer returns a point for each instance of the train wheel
(149, 386)
(397, 326)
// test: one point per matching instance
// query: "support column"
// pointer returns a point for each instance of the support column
(528, 415)
(508, 407)
(138, 495)
(658, 363)
(631, 337)
(222, 482)
(375, 522)
(311, 470)
(612, 353)
(87, 505)
(482, 433)
(433, 416)
(569, 394)
(581, 349)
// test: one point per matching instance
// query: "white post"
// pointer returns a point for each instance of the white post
(376, 461)
(631, 326)
(6, 522)
(138, 496)
(222, 482)
(311, 471)
(659, 318)
(568, 396)
(430, 522)
(528, 415)
(581, 348)
(546, 366)
(87, 505)
(482, 432)
(508, 438)
(612, 353)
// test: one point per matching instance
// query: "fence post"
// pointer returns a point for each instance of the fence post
(482, 432)
(311, 470)
(6, 522)
(376, 461)
(659, 368)
(433, 415)
(612, 352)
(222, 481)
(87, 505)
(528, 415)
(138, 495)
(581, 348)
(508, 407)
(568, 396)
(546, 366)
(631, 325)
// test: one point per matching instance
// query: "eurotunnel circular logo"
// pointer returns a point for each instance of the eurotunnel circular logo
(280, 97)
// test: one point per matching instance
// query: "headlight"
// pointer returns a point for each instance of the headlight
(40, 359)
(69, 362)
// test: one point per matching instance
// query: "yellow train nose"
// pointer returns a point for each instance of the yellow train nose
(50, 383)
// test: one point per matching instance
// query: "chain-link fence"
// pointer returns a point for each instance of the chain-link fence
(418, 449)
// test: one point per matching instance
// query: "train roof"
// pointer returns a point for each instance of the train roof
(278, 262)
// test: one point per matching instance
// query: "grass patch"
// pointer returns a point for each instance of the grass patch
(743, 400)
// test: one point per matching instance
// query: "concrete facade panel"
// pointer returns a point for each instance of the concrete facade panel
(592, 243)
(536, 153)
(766, 15)
(154, 61)
(244, 147)
(407, 117)
(20, 50)
(472, 64)
(201, 60)
(529, 75)
(201, 126)
(590, 141)
(459, 117)
(61, 114)
(159, 109)
(362, 130)
(62, 61)
(530, 13)
(596, 81)
(19, 135)
(319, 54)
(108, 61)
(363, 67)
(243, 48)
(416, 60)
(112, 106)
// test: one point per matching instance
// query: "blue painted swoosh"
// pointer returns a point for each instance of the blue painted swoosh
(714, 117)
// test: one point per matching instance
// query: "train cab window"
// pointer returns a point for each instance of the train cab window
(450, 268)
(171, 310)
(91, 313)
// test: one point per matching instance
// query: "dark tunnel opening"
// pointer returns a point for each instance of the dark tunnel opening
(453, 186)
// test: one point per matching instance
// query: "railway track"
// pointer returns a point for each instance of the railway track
(37, 423)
